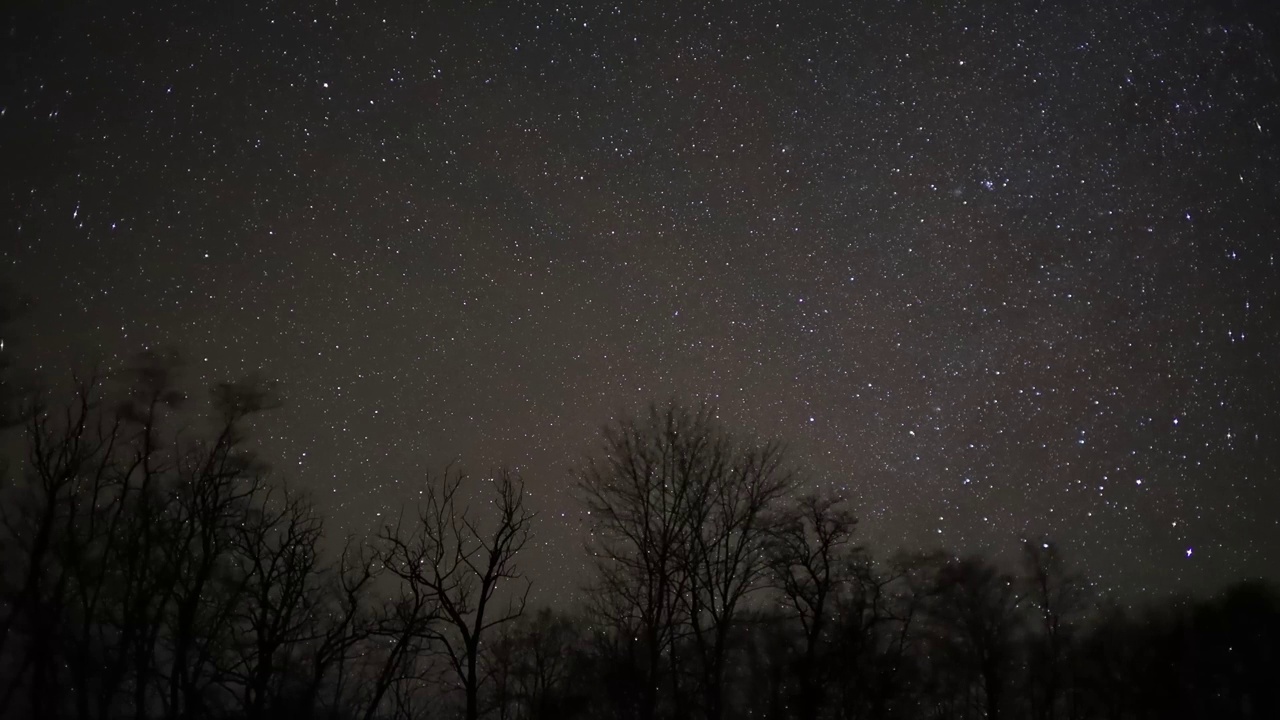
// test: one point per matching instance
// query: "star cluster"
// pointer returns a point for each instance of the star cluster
(994, 268)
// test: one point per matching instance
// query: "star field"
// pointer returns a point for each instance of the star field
(995, 268)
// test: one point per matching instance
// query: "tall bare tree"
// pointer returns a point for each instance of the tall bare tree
(400, 631)
(812, 560)
(531, 663)
(639, 493)
(680, 517)
(344, 623)
(974, 609)
(277, 550)
(731, 521)
(218, 482)
(1057, 597)
(463, 560)
(68, 461)
(125, 547)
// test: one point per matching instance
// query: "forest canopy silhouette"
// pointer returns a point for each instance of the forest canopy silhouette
(770, 360)
(155, 568)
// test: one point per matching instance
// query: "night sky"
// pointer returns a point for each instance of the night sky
(996, 268)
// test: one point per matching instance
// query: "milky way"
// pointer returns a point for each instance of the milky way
(995, 268)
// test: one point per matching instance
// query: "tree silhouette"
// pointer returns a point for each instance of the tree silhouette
(1057, 597)
(974, 609)
(812, 559)
(460, 561)
(639, 495)
(156, 569)
(731, 521)
(282, 577)
(682, 512)
(533, 662)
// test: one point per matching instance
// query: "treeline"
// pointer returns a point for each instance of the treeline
(152, 568)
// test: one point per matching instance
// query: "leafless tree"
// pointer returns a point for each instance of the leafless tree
(68, 462)
(1057, 597)
(551, 642)
(680, 517)
(218, 482)
(811, 561)
(640, 494)
(531, 664)
(126, 548)
(277, 549)
(83, 525)
(730, 523)
(141, 525)
(974, 609)
(344, 624)
(462, 560)
(400, 633)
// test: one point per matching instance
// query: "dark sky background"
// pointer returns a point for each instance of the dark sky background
(997, 268)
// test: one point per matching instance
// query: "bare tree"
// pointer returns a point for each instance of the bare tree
(730, 523)
(974, 608)
(462, 560)
(400, 632)
(68, 461)
(811, 561)
(531, 664)
(640, 494)
(126, 548)
(90, 493)
(501, 660)
(277, 551)
(141, 525)
(217, 484)
(344, 623)
(1057, 597)
(681, 515)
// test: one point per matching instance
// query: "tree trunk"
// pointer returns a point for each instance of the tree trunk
(472, 684)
